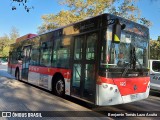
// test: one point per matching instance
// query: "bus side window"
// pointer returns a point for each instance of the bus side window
(34, 56)
(91, 46)
(61, 52)
(155, 66)
(45, 54)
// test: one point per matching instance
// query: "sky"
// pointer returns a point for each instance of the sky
(28, 22)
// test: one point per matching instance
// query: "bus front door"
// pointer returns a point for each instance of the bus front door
(84, 68)
(25, 62)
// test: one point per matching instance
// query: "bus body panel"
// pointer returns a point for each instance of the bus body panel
(127, 86)
(132, 85)
(42, 77)
(109, 94)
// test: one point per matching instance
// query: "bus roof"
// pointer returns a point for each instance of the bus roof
(132, 26)
(27, 36)
(104, 15)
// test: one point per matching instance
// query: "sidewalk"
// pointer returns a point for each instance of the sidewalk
(3, 73)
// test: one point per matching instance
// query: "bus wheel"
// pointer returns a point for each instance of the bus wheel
(59, 87)
(17, 75)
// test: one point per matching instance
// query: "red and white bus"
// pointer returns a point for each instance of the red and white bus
(101, 60)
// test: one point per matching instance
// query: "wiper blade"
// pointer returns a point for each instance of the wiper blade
(133, 56)
(126, 70)
(135, 59)
(132, 62)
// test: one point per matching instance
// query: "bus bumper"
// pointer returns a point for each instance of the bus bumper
(109, 94)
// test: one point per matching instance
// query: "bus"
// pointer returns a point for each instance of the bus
(154, 66)
(102, 60)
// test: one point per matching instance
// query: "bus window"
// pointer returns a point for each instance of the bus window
(61, 52)
(156, 66)
(89, 80)
(127, 44)
(78, 48)
(45, 56)
(91, 46)
(35, 55)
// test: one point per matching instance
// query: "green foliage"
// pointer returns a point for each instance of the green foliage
(126, 9)
(14, 34)
(82, 9)
(155, 49)
(158, 38)
(6, 40)
(78, 10)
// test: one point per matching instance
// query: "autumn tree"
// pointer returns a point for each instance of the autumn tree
(13, 35)
(127, 9)
(155, 49)
(82, 9)
(6, 40)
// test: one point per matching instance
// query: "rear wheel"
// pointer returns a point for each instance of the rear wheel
(59, 87)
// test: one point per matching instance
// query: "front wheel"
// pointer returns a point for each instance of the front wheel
(59, 87)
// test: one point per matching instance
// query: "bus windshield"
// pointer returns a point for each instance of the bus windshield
(132, 48)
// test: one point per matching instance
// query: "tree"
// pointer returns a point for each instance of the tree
(155, 49)
(127, 9)
(6, 40)
(14, 34)
(158, 38)
(82, 9)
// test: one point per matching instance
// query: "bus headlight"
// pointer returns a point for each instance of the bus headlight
(116, 90)
(111, 88)
(105, 86)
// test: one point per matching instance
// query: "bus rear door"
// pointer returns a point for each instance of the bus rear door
(25, 62)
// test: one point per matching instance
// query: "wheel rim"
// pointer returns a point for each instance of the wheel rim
(60, 87)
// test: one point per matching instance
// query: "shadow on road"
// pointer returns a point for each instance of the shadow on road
(155, 93)
(4, 73)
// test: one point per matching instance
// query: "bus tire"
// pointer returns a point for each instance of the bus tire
(59, 87)
(17, 74)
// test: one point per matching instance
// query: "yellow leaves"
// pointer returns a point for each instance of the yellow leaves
(132, 8)
(82, 9)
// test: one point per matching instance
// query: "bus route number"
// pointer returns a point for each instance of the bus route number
(122, 83)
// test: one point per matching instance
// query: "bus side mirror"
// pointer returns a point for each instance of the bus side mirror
(116, 31)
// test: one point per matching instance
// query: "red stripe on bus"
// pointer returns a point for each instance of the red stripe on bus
(132, 85)
(104, 80)
(50, 71)
(127, 86)
(15, 66)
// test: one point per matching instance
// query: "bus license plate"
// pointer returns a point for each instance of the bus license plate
(134, 96)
